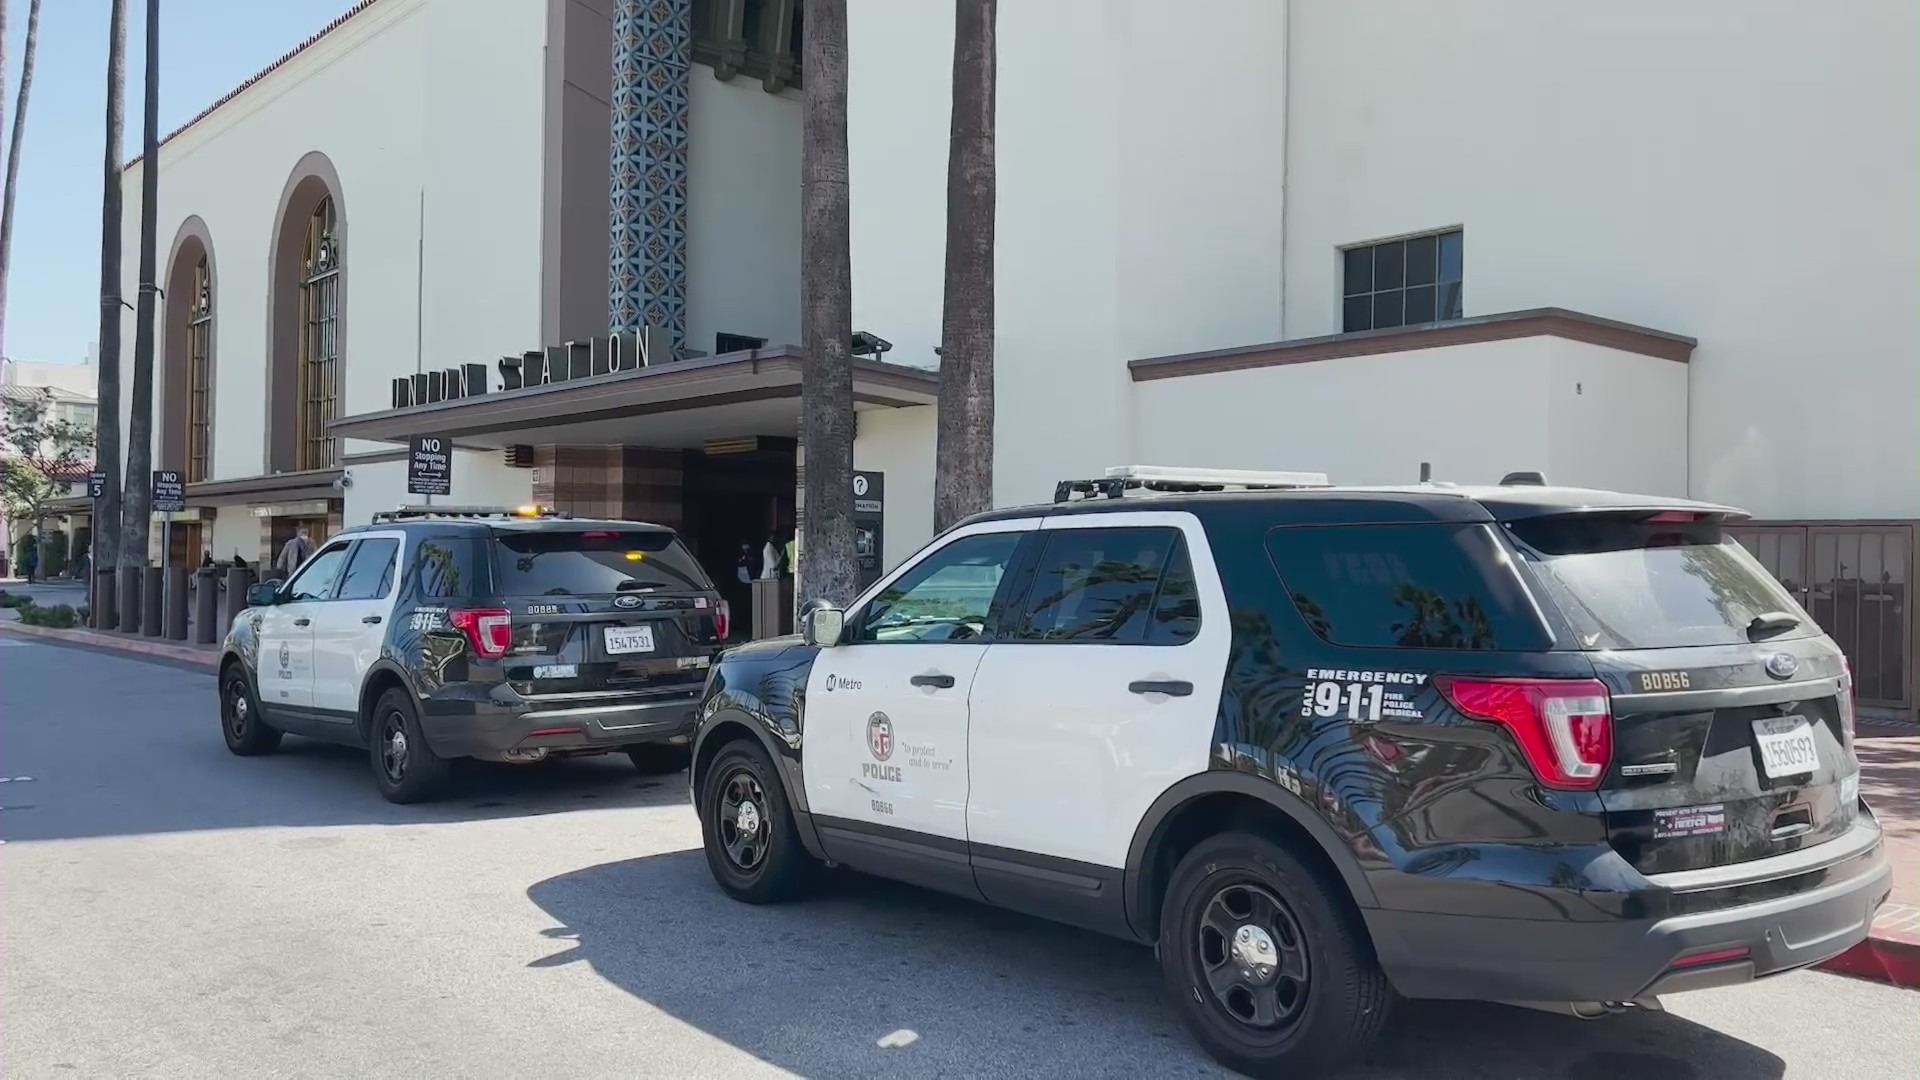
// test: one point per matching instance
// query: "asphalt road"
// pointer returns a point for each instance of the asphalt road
(170, 910)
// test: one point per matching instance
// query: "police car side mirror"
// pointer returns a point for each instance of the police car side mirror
(822, 625)
(265, 594)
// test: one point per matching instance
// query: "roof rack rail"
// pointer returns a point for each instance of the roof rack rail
(404, 513)
(1166, 479)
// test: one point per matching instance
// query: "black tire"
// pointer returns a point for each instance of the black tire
(240, 721)
(1320, 1000)
(405, 768)
(655, 758)
(766, 864)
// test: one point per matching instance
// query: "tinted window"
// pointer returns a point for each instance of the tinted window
(1407, 586)
(1106, 585)
(593, 561)
(946, 597)
(1401, 282)
(444, 567)
(1639, 584)
(1176, 612)
(370, 570)
(315, 580)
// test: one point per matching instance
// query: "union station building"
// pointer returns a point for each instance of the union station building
(1637, 245)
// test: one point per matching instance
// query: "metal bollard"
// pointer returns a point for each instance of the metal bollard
(238, 582)
(129, 587)
(178, 578)
(206, 606)
(104, 601)
(152, 596)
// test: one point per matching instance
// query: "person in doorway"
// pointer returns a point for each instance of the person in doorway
(293, 554)
(29, 557)
(206, 559)
(743, 569)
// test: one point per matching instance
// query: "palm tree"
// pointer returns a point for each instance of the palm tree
(963, 483)
(137, 492)
(13, 159)
(828, 570)
(106, 525)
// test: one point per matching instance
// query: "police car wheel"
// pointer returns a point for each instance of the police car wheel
(1267, 963)
(246, 733)
(404, 767)
(655, 758)
(747, 828)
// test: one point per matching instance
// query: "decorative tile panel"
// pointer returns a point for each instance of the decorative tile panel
(652, 63)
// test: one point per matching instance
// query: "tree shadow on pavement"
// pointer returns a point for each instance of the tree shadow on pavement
(1890, 780)
(813, 986)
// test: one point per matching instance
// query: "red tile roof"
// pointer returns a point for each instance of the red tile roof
(358, 7)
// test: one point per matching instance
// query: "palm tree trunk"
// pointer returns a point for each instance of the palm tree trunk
(106, 453)
(963, 452)
(13, 160)
(828, 570)
(137, 491)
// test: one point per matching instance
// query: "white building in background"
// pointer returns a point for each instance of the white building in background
(1639, 245)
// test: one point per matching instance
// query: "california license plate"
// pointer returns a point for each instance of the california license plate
(629, 639)
(1786, 745)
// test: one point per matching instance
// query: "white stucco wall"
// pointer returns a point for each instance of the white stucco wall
(1740, 171)
(1138, 213)
(743, 211)
(899, 443)
(1616, 420)
(396, 98)
(1362, 419)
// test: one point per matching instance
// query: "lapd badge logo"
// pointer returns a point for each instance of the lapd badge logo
(880, 736)
(286, 655)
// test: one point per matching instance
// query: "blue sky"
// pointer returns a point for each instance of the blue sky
(207, 47)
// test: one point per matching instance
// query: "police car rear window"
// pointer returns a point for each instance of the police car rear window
(1427, 586)
(597, 561)
(1641, 584)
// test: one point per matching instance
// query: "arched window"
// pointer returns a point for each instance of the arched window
(319, 339)
(200, 374)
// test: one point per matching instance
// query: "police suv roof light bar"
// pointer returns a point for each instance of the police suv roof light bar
(1121, 479)
(404, 512)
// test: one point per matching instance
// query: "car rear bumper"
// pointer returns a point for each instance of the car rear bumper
(1538, 960)
(496, 731)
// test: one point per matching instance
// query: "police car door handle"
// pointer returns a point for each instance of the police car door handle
(302, 622)
(370, 620)
(1169, 687)
(942, 682)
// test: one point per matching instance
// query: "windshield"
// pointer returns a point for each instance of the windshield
(594, 562)
(1639, 584)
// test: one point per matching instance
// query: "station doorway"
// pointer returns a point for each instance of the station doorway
(736, 503)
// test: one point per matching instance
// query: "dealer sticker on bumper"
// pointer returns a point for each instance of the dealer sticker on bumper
(1689, 821)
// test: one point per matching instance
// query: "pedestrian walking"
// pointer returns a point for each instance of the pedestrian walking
(293, 554)
(29, 557)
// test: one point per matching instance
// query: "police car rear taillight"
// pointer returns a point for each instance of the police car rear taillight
(1563, 726)
(722, 618)
(488, 630)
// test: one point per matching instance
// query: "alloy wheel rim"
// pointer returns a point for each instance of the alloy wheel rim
(1253, 957)
(393, 747)
(237, 709)
(744, 825)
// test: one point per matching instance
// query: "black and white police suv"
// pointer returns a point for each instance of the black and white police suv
(1554, 747)
(438, 633)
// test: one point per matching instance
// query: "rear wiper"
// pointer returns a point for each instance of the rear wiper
(1771, 622)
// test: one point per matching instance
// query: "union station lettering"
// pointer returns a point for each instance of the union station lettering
(625, 351)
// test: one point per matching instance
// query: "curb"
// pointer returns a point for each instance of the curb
(1882, 959)
(199, 656)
